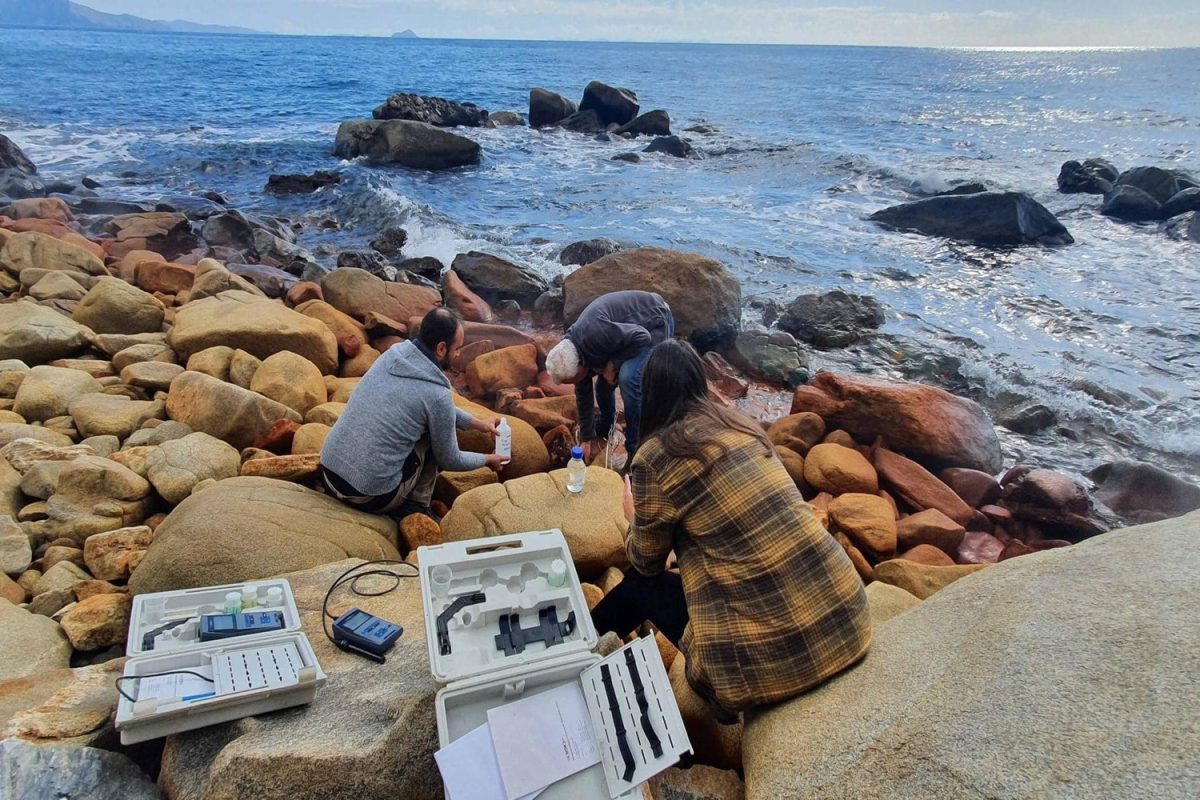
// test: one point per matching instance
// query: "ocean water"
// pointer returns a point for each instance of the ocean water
(810, 141)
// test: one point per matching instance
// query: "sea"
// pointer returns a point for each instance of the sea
(806, 143)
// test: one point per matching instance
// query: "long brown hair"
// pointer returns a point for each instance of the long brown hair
(675, 392)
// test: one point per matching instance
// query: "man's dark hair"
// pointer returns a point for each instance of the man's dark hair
(439, 326)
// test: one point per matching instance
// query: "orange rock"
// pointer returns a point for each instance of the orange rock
(891, 501)
(85, 589)
(41, 208)
(929, 555)
(930, 527)
(385, 343)
(84, 242)
(925, 422)
(511, 367)
(918, 488)
(838, 470)
(840, 437)
(559, 443)
(868, 521)
(547, 413)
(278, 438)
(592, 595)
(798, 432)
(865, 571)
(919, 579)
(378, 326)
(418, 530)
(357, 366)
(343, 326)
(303, 292)
(793, 462)
(469, 305)
(553, 389)
(666, 650)
(471, 352)
(452, 485)
(127, 268)
(159, 276)
(285, 468)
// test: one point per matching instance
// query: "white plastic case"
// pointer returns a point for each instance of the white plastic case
(256, 673)
(512, 572)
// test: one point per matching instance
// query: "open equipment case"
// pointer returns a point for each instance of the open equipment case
(251, 674)
(499, 630)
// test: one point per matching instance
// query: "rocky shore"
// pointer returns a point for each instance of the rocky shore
(169, 373)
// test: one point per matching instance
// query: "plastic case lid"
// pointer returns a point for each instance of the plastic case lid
(512, 573)
(153, 611)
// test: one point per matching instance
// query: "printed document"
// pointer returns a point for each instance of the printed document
(470, 770)
(542, 739)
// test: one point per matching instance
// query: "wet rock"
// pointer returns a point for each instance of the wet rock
(256, 325)
(434, 111)
(925, 422)
(270, 281)
(583, 122)
(611, 104)
(230, 229)
(1160, 184)
(632, 158)
(1053, 501)
(587, 251)
(773, 356)
(1185, 227)
(918, 488)
(833, 319)
(1131, 204)
(12, 157)
(390, 241)
(244, 529)
(411, 144)
(1144, 492)
(369, 261)
(548, 309)
(302, 184)
(507, 119)
(672, 146)
(161, 232)
(868, 521)
(990, 219)
(1094, 176)
(228, 412)
(974, 487)
(1181, 203)
(704, 296)
(1030, 420)
(652, 123)
(495, 279)
(469, 305)
(547, 108)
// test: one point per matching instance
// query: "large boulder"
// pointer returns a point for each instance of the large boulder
(773, 356)
(375, 721)
(495, 279)
(12, 157)
(248, 528)
(1131, 204)
(1160, 184)
(529, 454)
(356, 293)
(989, 218)
(46, 772)
(1094, 176)
(94, 495)
(1144, 492)
(611, 104)
(652, 123)
(436, 111)
(417, 145)
(833, 319)
(258, 326)
(175, 467)
(114, 415)
(114, 306)
(931, 425)
(507, 368)
(960, 695)
(704, 296)
(1182, 203)
(228, 412)
(292, 380)
(36, 334)
(48, 392)
(29, 644)
(33, 250)
(591, 521)
(547, 108)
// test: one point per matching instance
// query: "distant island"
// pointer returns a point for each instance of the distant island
(65, 14)
(408, 34)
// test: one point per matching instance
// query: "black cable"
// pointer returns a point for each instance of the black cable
(157, 675)
(345, 578)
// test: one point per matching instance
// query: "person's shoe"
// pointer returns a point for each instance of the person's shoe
(408, 508)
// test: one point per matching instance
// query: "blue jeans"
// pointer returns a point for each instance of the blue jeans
(629, 379)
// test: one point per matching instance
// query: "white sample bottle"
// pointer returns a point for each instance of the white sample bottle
(504, 440)
(576, 471)
(249, 596)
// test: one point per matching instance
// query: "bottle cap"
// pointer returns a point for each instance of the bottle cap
(233, 598)
(577, 452)
(558, 573)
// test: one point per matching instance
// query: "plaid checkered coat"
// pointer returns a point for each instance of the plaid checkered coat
(775, 604)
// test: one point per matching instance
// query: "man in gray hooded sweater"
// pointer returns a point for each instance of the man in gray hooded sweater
(398, 429)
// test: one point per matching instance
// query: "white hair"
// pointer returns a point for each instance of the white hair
(563, 362)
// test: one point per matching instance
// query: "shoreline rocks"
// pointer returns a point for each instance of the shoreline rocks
(993, 219)
(417, 145)
(436, 111)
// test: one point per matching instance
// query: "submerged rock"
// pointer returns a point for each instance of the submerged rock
(1159, 184)
(652, 123)
(1185, 227)
(1131, 204)
(989, 218)
(411, 144)
(1144, 492)
(672, 146)
(507, 119)
(302, 184)
(436, 111)
(547, 108)
(587, 251)
(582, 122)
(1094, 176)
(610, 103)
(495, 279)
(833, 319)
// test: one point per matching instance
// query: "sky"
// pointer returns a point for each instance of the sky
(979, 23)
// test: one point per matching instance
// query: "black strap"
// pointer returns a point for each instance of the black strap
(614, 708)
(639, 692)
(513, 638)
(443, 620)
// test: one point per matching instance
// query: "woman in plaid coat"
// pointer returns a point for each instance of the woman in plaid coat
(766, 604)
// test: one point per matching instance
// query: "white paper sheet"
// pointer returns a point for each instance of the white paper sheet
(542, 739)
(178, 686)
(470, 770)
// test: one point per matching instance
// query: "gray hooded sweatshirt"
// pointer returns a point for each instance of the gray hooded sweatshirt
(403, 397)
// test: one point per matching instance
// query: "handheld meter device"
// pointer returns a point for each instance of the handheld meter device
(365, 634)
(227, 626)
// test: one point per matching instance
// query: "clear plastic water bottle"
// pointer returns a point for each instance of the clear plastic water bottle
(576, 471)
(504, 440)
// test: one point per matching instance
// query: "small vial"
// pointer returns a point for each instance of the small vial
(576, 471)
(249, 597)
(558, 573)
(233, 603)
(275, 597)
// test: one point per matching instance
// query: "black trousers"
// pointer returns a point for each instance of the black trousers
(639, 598)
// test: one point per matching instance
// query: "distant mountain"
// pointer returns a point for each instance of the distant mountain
(65, 14)
(408, 34)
